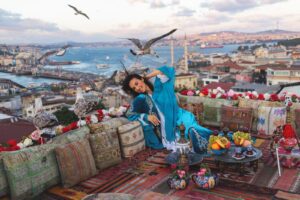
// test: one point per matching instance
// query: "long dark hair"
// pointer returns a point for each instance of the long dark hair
(129, 90)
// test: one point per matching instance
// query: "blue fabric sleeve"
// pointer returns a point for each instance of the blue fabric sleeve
(168, 71)
(137, 110)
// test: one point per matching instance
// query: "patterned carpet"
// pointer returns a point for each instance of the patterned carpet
(146, 174)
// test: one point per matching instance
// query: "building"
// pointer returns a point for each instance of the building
(14, 128)
(215, 85)
(277, 52)
(283, 75)
(250, 87)
(213, 78)
(50, 104)
(219, 59)
(188, 81)
(226, 67)
(261, 52)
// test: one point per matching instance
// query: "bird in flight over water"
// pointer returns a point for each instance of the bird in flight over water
(78, 12)
(145, 49)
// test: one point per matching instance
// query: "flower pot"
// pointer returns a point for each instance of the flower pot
(178, 183)
(205, 182)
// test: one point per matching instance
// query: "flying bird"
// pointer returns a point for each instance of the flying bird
(145, 49)
(78, 12)
(62, 51)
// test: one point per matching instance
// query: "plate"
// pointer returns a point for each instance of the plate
(238, 158)
(252, 155)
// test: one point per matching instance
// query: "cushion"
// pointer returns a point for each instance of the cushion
(131, 138)
(106, 149)
(3, 179)
(269, 118)
(109, 125)
(235, 117)
(211, 107)
(72, 136)
(31, 171)
(196, 109)
(212, 111)
(76, 162)
(254, 104)
(109, 196)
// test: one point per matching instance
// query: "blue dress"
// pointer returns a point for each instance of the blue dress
(164, 104)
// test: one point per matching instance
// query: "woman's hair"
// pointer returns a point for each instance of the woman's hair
(127, 80)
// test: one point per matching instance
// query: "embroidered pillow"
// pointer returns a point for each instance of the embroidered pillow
(106, 149)
(269, 118)
(76, 162)
(235, 117)
(72, 136)
(131, 138)
(109, 125)
(31, 171)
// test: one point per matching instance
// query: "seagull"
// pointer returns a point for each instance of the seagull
(82, 107)
(145, 49)
(78, 12)
(43, 119)
(62, 51)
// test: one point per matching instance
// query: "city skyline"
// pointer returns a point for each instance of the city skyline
(53, 21)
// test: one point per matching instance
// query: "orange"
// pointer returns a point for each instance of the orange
(215, 146)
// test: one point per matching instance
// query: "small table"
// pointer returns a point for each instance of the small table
(222, 160)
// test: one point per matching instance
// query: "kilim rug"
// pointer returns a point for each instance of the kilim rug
(145, 176)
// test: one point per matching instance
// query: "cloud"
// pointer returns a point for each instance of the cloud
(13, 21)
(145, 30)
(236, 5)
(156, 3)
(185, 12)
(15, 29)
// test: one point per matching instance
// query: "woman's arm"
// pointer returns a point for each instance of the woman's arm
(136, 112)
(154, 73)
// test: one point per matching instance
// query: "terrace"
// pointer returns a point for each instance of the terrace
(131, 171)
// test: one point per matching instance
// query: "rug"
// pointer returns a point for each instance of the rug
(146, 176)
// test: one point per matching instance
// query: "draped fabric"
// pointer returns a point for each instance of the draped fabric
(164, 104)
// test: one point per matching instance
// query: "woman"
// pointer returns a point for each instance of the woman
(157, 109)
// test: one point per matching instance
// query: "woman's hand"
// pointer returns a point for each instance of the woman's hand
(154, 120)
(152, 74)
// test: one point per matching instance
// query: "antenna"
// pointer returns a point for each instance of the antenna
(277, 25)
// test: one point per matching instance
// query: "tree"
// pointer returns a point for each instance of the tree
(65, 116)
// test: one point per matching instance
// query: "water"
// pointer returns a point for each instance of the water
(90, 57)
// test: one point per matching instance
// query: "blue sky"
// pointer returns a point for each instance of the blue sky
(53, 21)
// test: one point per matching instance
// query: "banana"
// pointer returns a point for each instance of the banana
(242, 141)
(220, 143)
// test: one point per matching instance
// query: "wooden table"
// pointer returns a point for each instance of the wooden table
(226, 159)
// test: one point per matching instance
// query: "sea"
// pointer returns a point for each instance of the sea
(89, 57)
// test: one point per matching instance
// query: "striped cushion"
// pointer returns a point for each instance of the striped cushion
(76, 162)
(131, 138)
(106, 149)
(31, 171)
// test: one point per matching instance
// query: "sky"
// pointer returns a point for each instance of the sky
(40, 21)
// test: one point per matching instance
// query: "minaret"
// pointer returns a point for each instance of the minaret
(186, 68)
(172, 51)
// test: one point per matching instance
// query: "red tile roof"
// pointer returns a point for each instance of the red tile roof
(15, 130)
(224, 86)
